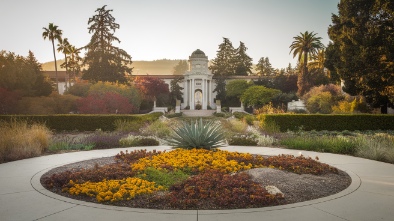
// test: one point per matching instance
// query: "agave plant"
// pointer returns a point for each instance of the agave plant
(206, 135)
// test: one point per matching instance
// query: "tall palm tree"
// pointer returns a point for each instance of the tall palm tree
(52, 33)
(317, 60)
(305, 45)
(74, 59)
(64, 47)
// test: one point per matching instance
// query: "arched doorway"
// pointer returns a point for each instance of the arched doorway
(198, 99)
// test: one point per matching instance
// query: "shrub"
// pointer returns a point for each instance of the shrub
(206, 135)
(19, 140)
(79, 89)
(108, 103)
(122, 125)
(219, 190)
(219, 114)
(67, 142)
(53, 104)
(174, 115)
(158, 128)
(102, 140)
(242, 141)
(133, 141)
(320, 103)
(71, 122)
(129, 92)
(235, 126)
(361, 122)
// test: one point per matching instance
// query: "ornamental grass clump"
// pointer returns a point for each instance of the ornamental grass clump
(20, 140)
(205, 135)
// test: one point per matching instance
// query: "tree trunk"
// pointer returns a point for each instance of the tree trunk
(54, 56)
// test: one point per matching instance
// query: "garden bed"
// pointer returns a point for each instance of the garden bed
(237, 182)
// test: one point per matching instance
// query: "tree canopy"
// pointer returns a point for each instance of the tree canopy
(243, 63)
(264, 67)
(362, 49)
(224, 63)
(105, 61)
(257, 96)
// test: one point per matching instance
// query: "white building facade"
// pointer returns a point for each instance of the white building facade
(197, 83)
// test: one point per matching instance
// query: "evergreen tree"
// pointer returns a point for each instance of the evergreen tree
(222, 66)
(362, 49)
(41, 86)
(181, 67)
(243, 61)
(224, 63)
(264, 67)
(105, 61)
(176, 90)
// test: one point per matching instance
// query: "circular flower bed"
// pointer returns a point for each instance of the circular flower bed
(180, 179)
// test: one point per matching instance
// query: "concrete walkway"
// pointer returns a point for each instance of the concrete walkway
(369, 197)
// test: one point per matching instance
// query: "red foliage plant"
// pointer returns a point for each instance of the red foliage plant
(8, 101)
(151, 87)
(108, 103)
(217, 190)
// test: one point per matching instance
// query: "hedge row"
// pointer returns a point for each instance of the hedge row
(81, 122)
(307, 122)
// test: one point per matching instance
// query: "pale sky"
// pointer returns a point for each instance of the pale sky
(171, 29)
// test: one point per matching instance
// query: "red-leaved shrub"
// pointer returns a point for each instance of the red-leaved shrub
(108, 103)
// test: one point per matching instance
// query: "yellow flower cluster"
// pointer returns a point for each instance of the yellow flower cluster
(114, 190)
(195, 159)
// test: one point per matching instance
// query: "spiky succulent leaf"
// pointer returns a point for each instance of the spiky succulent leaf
(206, 135)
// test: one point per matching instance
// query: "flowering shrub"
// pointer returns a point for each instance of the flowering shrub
(114, 190)
(196, 160)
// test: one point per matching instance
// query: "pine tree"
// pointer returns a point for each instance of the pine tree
(176, 90)
(224, 63)
(105, 61)
(264, 67)
(243, 61)
(181, 67)
(41, 86)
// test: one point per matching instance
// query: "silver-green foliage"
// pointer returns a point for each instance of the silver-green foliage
(199, 134)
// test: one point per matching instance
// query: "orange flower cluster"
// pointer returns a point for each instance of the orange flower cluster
(196, 160)
(114, 190)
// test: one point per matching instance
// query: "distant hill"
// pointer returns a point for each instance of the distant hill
(156, 67)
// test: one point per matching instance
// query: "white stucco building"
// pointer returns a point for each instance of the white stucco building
(197, 83)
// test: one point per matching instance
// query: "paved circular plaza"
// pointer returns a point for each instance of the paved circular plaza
(369, 197)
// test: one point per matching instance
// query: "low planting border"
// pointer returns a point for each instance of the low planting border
(81, 122)
(307, 122)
